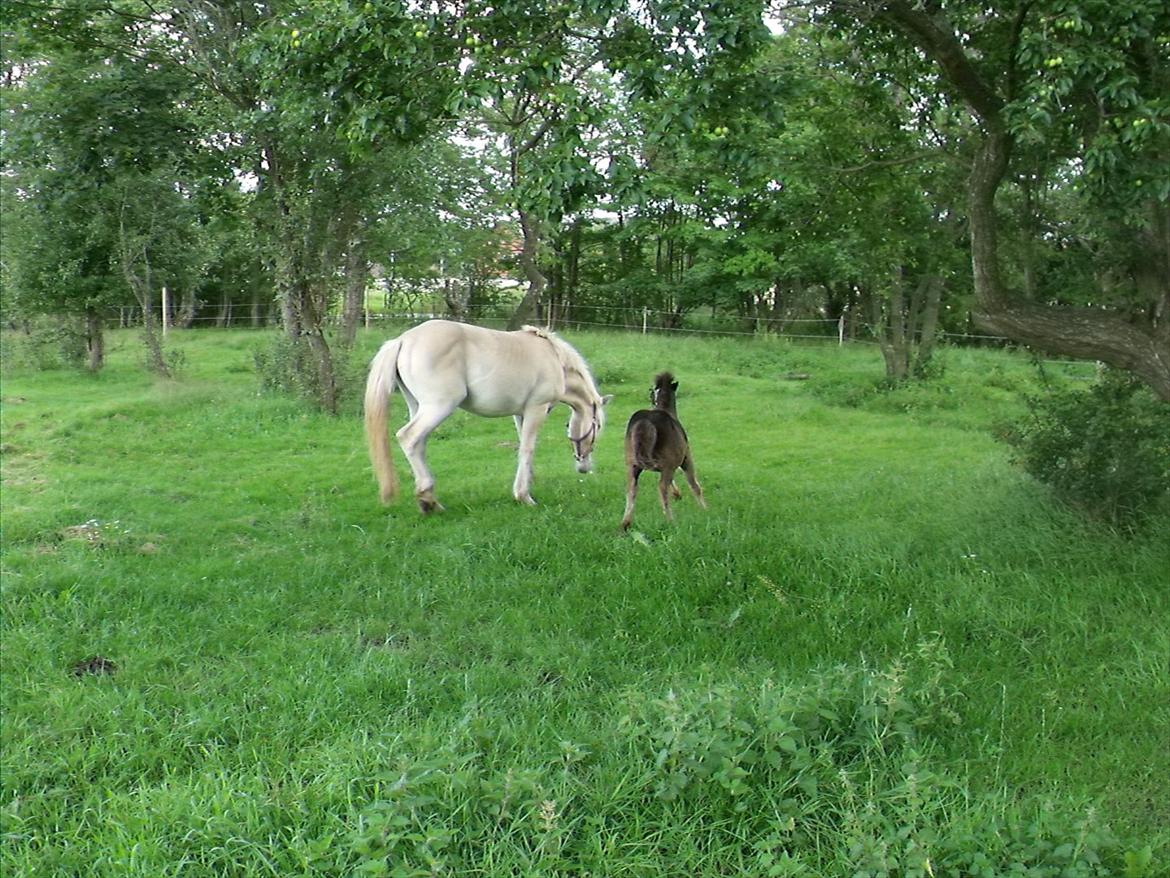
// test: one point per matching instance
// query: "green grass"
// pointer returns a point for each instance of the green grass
(882, 645)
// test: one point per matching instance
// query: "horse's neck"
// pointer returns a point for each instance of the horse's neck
(666, 404)
(578, 391)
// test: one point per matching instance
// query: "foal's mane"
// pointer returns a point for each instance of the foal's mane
(570, 359)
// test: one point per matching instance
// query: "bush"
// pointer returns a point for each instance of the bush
(45, 344)
(1105, 451)
(286, 368)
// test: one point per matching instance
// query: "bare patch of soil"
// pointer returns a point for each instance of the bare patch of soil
(94, 666)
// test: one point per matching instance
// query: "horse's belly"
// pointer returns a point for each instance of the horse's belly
(493, 405)
(504, 392)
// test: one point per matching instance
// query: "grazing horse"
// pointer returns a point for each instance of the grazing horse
(440, 366)
(655, 440)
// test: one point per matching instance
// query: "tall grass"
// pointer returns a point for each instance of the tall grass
(882, 651)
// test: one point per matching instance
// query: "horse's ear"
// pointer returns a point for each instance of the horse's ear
(674, 385)
(605, 399)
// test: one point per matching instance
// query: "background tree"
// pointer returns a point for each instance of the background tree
(673, 157)
(100, 150)
(1082, 87)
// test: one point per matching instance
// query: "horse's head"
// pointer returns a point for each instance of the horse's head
(585, 424)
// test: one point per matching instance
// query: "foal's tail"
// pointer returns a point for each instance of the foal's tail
(380, 384)
(640, 440)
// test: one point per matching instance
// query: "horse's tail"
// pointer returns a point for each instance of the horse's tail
(380, 384)
(640, 441)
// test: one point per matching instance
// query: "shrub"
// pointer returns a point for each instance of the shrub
(285, 368)
(45, 344)
(1105, 450)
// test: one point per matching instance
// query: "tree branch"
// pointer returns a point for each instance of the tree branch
(944, 48)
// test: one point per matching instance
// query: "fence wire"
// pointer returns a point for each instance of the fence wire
(262, 315)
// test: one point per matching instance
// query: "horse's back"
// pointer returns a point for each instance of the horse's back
(663, 421)
(486, 371)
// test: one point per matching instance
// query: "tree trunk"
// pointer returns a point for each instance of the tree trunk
(572, 272)
(302, 321)
(528, 311)
(906, 330)
(186, 316)
(1082, 333)
(326, 376)
(455, 296)
(224, 318)
(157, 360)
(95, 340)
(930, 293)
(357, 272)
(142, 288)
(889, 320)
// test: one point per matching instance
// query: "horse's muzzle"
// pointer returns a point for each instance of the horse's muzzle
(585, 464)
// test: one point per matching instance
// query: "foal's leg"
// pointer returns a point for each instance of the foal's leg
(688, 468)
(631, 493)
(413, 440)
(528, 427)
(665, 487)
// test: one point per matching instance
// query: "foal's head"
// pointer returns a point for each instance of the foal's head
(663, 392)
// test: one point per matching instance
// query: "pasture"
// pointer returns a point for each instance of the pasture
(882, 650)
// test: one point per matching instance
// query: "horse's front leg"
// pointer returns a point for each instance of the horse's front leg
(527, 428)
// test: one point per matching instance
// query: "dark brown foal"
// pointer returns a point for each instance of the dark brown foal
(655, 440)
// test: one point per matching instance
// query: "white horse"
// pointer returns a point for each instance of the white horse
(440, 366)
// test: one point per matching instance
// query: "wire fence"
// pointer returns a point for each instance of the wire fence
(619, 318)
(627, 318)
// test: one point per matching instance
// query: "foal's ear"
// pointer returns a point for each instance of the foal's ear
(605, 399)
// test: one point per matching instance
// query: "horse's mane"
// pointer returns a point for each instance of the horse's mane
(571, 360)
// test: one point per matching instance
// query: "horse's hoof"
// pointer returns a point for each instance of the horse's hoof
(527, 501)
(427, 505)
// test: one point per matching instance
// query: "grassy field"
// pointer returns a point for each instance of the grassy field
(883, 650)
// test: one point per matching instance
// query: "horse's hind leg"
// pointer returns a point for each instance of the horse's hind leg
(631, 494)
(688, 468)
(412, 438)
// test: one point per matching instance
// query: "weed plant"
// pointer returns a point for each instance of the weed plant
(883, 651)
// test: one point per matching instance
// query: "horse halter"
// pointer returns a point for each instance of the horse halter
(591, 433)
